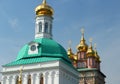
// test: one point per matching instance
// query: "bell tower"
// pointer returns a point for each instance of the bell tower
(43, 24)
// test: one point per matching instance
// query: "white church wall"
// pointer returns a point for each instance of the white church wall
(54, 72)
(68, 75)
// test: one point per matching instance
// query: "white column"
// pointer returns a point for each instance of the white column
(13, 80)
(44, 78)
(53, 77)
(50, 78)
(3, 80)
(7, 80)
(10, 79)
(56, 80)
(25, 79)
(32, 78)
(37, 81)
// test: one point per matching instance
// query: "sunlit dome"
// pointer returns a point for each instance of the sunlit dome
(44, 9)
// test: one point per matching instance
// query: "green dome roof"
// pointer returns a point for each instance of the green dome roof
(48, 50)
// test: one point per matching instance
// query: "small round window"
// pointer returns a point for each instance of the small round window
(33, 48)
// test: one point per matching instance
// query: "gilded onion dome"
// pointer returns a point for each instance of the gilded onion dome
(82, 46)
(44, 9)
(69, 52)
(96, 55)
(90, 52)
(71, 55)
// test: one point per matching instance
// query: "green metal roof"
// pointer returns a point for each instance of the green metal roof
(48, 50)
(31, 61)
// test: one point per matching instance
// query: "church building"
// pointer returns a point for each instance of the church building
(44, 61)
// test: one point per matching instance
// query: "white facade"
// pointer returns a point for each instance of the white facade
(55, 72)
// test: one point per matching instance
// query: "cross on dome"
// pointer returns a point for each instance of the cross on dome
(95, 46)
(82, 31)
(90, 40)
(69, 43)
(44, 2)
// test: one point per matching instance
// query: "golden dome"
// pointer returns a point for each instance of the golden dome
(71, 55)
(69, 52)
(82, 46)
(44, 9)
(96, 55)
(90, 52)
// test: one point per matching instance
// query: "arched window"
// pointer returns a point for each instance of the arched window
(17, 80)
(41, 79)
(40, 27)
(29, 79)
(50, 28)
(46, 27)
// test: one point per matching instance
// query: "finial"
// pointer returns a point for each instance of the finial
(90, 40)
(44, 2)
(69, 43)
(69, 52)
(95, 46)
(82, 30)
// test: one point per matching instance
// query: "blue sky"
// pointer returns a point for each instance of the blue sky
(100, 18)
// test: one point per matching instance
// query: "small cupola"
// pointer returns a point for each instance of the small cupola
(82, 46)
(90, 52)
(44, 9)
(69, 51)
(96, 54)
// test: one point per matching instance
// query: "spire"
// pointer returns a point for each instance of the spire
(82, 46)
